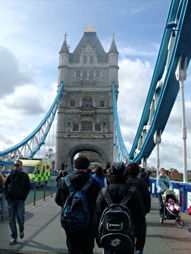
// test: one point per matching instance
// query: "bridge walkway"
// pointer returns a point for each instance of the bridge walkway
(43, 233)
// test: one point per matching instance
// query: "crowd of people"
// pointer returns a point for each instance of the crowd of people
(118, 182)
(119, 189)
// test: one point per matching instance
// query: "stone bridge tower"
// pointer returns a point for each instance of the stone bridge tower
(85, 114)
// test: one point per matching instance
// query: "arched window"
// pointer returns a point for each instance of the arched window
(87, 101)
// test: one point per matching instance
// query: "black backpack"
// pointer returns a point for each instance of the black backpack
(116, 231)
(75, 216)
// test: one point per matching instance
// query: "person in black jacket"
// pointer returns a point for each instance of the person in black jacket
(132, 172)
(144, 175)
(17, 187)
(118, 188)
(80, 243)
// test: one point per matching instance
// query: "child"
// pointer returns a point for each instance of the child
(173, 206)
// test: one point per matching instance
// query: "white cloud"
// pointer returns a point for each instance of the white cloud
(10, 75)
(134, 82)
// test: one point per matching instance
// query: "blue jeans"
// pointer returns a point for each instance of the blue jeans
(16, 210)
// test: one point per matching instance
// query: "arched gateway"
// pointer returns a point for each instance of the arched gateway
(85, 113)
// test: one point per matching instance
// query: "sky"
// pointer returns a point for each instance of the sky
(31, 35)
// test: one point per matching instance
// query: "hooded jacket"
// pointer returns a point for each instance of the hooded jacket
(142, 187)
(117, 189)
(78, 179)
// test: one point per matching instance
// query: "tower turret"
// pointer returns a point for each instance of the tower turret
(64, 53)
(113, 62)
(113, 53)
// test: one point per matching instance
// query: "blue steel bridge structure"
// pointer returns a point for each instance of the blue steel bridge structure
(170, 71)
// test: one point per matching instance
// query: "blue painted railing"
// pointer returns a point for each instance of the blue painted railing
(182, 190)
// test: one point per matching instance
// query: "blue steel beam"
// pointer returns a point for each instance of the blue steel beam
(121, 151)
(178, 28)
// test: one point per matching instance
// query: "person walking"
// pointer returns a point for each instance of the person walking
(118, 188)
(163, 183)
(100, 177)
(144, 175)
(132, 172)
(17, 187)
(62, 174)
(81, 242)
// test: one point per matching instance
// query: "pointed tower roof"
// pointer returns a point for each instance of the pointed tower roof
(89, 39)
(113, 48)
(64, 48)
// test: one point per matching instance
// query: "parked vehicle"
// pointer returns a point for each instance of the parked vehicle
(37, 169)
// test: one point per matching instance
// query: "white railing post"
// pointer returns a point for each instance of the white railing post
(181, 77)
(157, 140)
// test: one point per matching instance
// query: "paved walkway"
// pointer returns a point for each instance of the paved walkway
(43, 233)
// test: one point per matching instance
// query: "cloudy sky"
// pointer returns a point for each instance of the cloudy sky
(31, 34)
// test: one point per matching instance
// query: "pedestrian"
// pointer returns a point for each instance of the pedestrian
(118, 188)
(132, 172)
(163, 183)
(81, 242)
(100, 177)
(62, 174)
(144, 175)
(17, 187)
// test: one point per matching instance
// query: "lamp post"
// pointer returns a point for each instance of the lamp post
(157, 140)
(181, 77)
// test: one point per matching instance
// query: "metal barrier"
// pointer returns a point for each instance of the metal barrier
(182, 190)
(39, 191)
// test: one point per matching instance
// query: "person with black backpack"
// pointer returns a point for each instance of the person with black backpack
(77, 194)
(121, 226)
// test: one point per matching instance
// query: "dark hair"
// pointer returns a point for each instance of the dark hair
(99, 171)
(107, 165)
(19, 162)
(132, 169)
(117, 169)
(63, 172)
(81, 163)
(142, 169)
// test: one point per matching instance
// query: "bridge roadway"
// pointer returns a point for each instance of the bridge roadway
(43, 233)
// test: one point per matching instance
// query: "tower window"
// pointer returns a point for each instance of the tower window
(86, 126)
(91, 74)
(85, 59)
(78, 73)
(84, 74)
(97, 127)
(102, 103)
(97, 73)
(75, 127)
(91, 59)
(72, 103)
(87, 102)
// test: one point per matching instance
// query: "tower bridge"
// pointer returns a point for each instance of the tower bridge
(86, 102)
(87, 123)
(85, 114)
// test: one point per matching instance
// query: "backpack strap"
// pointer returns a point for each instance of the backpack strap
(87, 185)
(71, 188)
(129, 195)
(69, 184)
(106, 196)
